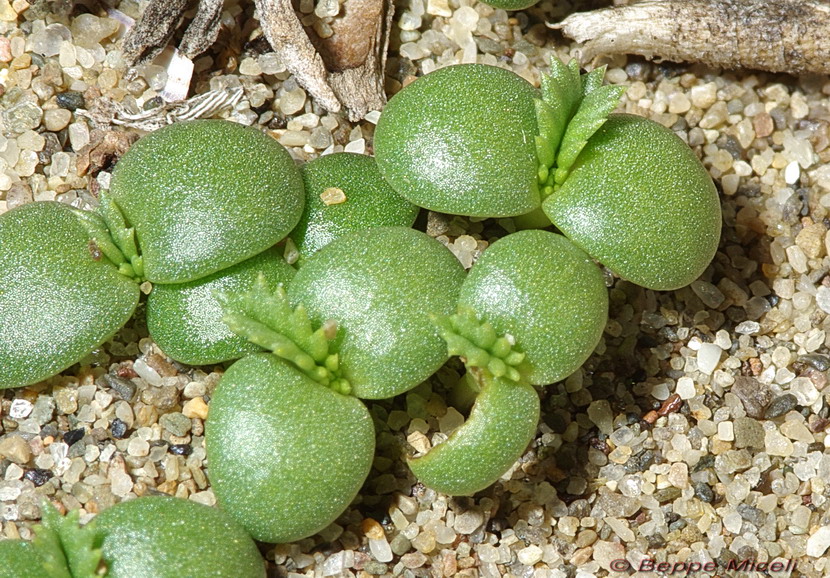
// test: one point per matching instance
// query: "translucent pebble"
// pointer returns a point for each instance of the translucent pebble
(797, 258)
(466, 18)
(327, 8)
(26, 163)
(600, 413)
(270, 63)
(294, 138)
(758, 306)
(120, 483)
(60, 164)
(776, 444)
(56, 119)
(409, 21)
(439, 8)
(292, 101)
(413, 51)
(32, 141)
(22, 117)
(792, 173)
(708, 357)
(249, 67)
(146, 372)
(47, 42)
(818, 543)
(679, 103)
(78, 135)
(708, 293)
(685, 387)
(20, 409)
(380, 549)
(823, 298)
(530, 555)
(732, 522)
(356, 146)
(622, 436)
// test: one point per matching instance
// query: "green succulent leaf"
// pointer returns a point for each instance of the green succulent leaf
(571, 109)
(185, 319)
(265, 317)
(356, 198)
(591, 115)
(79, 545)
(447, 152)
(59, 297)
(592, 80)
(639, 201)
(543, 292)
(500, 427)
(380, 286)
(22, 558)
(167, 537)
(123, 236)
(479, 345)
(286, 454)
(203, 195)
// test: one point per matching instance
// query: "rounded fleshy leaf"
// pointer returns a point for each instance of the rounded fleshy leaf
(380, 287)
(501, 424)
(21, 558)
(544, 292)
(167, 537)
(287, 455)
(345, 192)
(638, 200)
(185, 319)
(59, 297)
(204, 195)
(511, 4)
(448, 152)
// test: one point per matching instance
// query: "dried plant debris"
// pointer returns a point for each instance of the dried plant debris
(340, 59)
(204, 105)
(774, 35)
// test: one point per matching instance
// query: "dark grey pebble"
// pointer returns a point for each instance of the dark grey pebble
(38, 476)
(123, 387)
(118, 429)
(781, 405)
(751, 514)
(816, 360)
(71, 100)
(180, 449)
(73, 436)
(704, 492)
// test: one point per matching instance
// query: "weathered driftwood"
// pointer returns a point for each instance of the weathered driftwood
(774, 35)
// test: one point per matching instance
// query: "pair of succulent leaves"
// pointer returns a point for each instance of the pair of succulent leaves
(69, 279)
(625, 189)
(157, 536)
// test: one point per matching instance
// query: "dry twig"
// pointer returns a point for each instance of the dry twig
(774, 35)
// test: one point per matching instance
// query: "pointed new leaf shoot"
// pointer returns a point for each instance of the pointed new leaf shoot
(592, 114)
(266, 318)
(65, 544)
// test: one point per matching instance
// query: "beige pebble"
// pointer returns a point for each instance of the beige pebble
(7, 13)
(56, 119)
(15, 448)
(195, 407)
